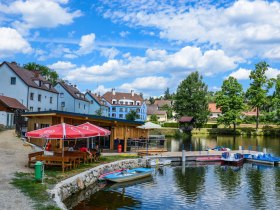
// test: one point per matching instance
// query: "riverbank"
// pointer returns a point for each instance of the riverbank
(243, 130)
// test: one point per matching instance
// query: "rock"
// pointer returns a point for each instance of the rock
(80, 184)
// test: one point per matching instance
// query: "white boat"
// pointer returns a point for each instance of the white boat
(160, 162)
(231, 158)
(129, 175)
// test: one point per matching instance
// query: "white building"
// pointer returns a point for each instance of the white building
(28, 87)
(70, 99)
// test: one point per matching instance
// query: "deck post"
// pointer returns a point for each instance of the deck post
(183, 154)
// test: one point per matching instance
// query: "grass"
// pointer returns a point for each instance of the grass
(38, 191)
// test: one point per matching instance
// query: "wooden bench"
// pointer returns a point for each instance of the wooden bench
(32, 157)
(64, 162)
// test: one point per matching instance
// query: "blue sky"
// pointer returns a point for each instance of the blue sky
(144, 45)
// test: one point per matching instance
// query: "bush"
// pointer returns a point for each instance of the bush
(210, 126)
(170, 124)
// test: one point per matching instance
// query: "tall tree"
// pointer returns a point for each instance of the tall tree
(168, 110)
(154, 118)
(276, 100)
(132, 115)
(191, 99)
(151, 100)
(167, 94)
(257, 92)
(230, 99)
(45, 71)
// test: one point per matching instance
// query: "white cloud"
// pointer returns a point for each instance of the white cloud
(245, 27)
(11, 42)
(272, 73)
(62, 65)
(124, 33)
(110, 53)
(146, 84)
(241, 74)
(86, 44)
(39, 14)
(101, 89)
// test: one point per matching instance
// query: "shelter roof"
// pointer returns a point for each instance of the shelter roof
(12, 103)
(185, 119)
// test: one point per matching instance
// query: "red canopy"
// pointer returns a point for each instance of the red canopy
(62, 131)
(90, 127)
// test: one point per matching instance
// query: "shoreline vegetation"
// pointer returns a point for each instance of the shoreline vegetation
(38, 192)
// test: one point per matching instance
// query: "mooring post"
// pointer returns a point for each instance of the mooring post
(264, 150)
(183, 153)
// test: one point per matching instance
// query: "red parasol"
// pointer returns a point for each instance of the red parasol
(62, 131)
(91, 127)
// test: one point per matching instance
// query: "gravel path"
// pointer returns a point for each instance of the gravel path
(13, 158)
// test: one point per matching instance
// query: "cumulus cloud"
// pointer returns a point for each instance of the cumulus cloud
(101, 89)
(62, 65)
(39, 14)
(241, 74)
(249, 28)
(12, 43)
(124, 33)
(109, 53)
(272, 73)
(86, 44)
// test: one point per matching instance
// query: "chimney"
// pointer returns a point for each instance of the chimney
(132, 92)
(113, 91)
(98, 94)
(36, 73)
(89, 91)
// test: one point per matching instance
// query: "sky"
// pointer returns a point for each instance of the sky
(142, 45)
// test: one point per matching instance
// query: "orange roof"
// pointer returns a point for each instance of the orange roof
(11, 103)
(213, 108)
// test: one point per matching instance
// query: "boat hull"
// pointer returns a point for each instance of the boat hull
(129, 175)
(260, 161)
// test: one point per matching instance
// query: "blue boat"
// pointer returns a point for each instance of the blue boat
(262, 158)
(129, 175)
(231, 158)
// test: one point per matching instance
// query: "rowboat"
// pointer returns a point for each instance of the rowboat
(101, 177)
(129, 175)
(230, 158)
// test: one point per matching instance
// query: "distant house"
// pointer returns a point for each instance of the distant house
(120, 104)
(153, 110)
(161, 102)
(8, 108)
(28, 87)
(214, 111)
(96, 103)
(70, 99)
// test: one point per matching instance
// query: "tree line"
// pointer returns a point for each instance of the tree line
(192, 98)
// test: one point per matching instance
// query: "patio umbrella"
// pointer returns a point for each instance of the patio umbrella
(62, 131)
(91, 127)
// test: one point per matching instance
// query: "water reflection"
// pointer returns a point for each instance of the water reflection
(203, 142)
(191, 182)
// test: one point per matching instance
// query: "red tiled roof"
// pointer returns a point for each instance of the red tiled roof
(185, 119)
(161, 103)
(118, 96)
(98, 98)
(73, 91)
(29, 77)
(11, 103)
(153, 109)
(213, 108)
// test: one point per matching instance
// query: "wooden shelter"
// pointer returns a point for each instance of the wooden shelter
(120, 129)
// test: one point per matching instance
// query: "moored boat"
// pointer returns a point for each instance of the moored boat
(101, 177)
(230, 158)
(263, 159)
(129, 175)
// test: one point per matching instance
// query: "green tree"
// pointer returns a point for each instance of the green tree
(257, 92)
(45, 71)
(98, 112)
(191, 99)
(132, 115)
(230, 99)
(154, 118)
(151, 100)
(167, 95)
(168, 110)
(276, 100)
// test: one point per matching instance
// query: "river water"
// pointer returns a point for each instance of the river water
(195, 186)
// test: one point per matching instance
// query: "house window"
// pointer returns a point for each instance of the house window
(114, 102)
(121, 115)
(113, 115)
(138, 103)
(39, 97)
(31, 109)
(50, 100)
(31, 96)
(13, 80)
(121, 102)
(63, 104)
(113, 109)
(121, 109)
(84, 106)
(61, 95)
(39, 109)
(131, 103)
(91, 102)
(79, 105)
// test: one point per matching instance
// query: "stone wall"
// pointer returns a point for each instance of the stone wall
(80, 182)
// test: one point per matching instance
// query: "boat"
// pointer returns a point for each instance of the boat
(160, 162)
(218, 148)
(101, 177)
(208, 159)
(262, 159)
(129, 175)
(232, 158)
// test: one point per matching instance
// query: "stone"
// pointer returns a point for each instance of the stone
(80, 184)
